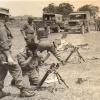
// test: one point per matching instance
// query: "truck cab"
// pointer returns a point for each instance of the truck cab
(78, 22)
(54, 21)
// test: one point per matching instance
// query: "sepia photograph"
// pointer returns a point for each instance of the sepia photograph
(49, 50)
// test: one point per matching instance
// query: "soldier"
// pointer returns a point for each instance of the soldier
(97, 21)
(30, 32)
(29, 62)
(99, 24)
(8, 64)
(44, 42)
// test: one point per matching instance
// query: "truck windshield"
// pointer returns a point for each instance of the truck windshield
(77, 16)
(48, 17)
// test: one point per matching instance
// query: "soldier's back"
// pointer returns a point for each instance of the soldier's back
(3, 33)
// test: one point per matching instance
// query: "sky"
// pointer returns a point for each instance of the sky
(34, 7)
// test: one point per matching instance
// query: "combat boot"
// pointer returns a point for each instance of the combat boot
(3, 94)
(26, 92)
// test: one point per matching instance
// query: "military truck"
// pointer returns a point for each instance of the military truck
(54, 21)
(78, 22)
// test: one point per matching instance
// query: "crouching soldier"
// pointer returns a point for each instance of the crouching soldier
(45, 43)
(29, 62)
(8, 64)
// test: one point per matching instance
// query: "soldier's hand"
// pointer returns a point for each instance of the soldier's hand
(30, 53)
(4, 63)
(7, 63)
(11, 62)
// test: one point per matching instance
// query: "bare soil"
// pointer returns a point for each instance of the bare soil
(83, 78)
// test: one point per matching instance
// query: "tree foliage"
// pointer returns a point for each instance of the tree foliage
(63, 8)
(92, 9)
(50, 8)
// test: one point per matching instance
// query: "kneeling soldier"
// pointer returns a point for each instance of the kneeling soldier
(29, 62)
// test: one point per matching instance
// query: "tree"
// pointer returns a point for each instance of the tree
(51, 8)
(92, 9)
(65, 9)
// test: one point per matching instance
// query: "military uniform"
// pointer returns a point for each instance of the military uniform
(97, 24)
(31, 70)
(45, 44)
(42, 36)
(29, 32)
(5, 44)
(15, 70)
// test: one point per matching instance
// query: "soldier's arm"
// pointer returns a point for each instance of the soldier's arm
(35, 33)
(5, 47)
(8, 31)
(23, 33)
(24, 62)
(24, 27)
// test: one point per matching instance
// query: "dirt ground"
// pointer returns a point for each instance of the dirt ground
(82, 78)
